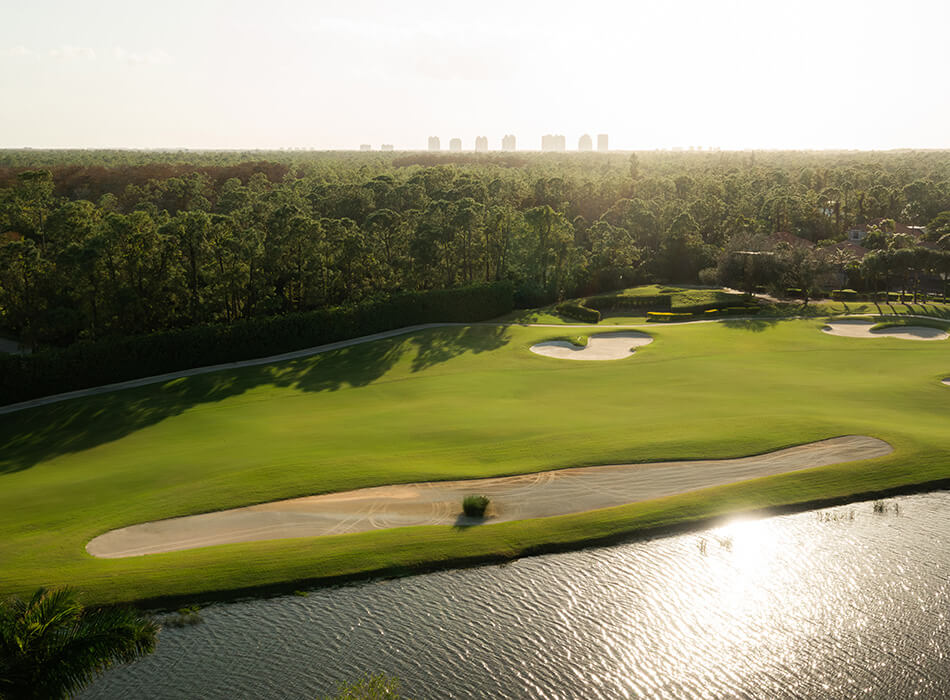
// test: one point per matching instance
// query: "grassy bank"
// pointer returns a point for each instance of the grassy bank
(446, 404)
(689, 296)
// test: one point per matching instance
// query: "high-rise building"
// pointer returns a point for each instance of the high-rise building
(365, 147)
(553, 142)
(602, 143)
(584, 143)
(434, 144)
(547, 142)
(386, 147)
(560, 143)
(508, 142)
(481, 144)
(455, 145)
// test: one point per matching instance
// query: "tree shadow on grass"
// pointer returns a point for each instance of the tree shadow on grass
(442, 344)
(750, 324)
(36, 435)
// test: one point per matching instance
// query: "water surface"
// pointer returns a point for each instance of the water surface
(837, 603)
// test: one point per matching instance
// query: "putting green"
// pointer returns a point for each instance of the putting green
(448, 403)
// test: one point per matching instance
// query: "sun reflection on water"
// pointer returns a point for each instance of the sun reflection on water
(845, 602)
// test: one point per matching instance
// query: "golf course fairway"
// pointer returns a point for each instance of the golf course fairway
(448, 404)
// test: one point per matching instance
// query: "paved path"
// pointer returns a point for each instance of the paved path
(539, 495)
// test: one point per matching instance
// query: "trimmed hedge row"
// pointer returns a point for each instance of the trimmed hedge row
(88, 364)
(608, 302)
(845, 294)
(578, 312)
(680, 315)
(668, 316)
(699, 308)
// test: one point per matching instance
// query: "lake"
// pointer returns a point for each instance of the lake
(837, 603)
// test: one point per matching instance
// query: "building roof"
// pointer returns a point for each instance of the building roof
(915, 231)
(858, 251)
(792, 239)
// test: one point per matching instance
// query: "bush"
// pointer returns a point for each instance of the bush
(474, 506)
(844, 294)
(793, 293)
(88, 364)
(667, 316)
(374, 687)
(578, 312)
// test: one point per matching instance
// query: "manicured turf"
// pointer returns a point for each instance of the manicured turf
(448, 403)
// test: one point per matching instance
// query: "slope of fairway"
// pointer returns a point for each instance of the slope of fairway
(450, 403)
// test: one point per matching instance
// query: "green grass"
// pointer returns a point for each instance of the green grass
(579, 341)
(836, 308)
(681, 296)
(448, 403)
(904, 322)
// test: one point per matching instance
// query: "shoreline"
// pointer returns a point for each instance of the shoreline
(170, 603)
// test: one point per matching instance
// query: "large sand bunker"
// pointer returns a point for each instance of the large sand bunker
(603, 346)
(854, 328)
(538, 495)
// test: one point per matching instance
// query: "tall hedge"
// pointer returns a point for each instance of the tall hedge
(88, 364)
(578, 312)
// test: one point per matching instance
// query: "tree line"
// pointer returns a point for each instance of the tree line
(101, 244)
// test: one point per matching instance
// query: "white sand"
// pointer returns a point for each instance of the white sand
(540, 495)
(603, 346)
(851, 328)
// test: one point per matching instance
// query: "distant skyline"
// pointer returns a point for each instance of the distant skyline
(334, 75)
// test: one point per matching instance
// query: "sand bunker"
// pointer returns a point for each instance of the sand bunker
(603, 346)
(539, 495)
(852, 328)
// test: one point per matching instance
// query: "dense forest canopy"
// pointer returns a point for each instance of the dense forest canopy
(100, 243)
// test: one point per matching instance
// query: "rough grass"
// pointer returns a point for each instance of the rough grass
(461, 402)
(904, 322)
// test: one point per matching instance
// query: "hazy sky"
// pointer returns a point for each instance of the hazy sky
(330, 75)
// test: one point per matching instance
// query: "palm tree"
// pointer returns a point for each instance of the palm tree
(51, 647)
